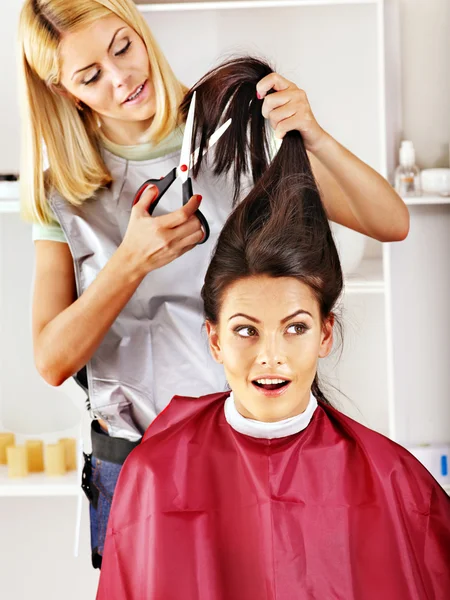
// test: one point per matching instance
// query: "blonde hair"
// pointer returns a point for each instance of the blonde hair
(71, 137)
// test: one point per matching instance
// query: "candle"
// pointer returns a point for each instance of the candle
(70, 452)
(17, 461)
(55, 463)
(35, 453)
(6, 439)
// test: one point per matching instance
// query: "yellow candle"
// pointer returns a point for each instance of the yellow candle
(55, 460)
(17, 461)
(35, 453)
(70, 452)
(6, 439)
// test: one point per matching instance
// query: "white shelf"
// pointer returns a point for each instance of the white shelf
(244, 4)
(9, 206)
(368, 278)
(13, 206)
(39, 485)
(426, 200)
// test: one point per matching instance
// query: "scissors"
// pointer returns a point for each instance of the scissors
(187, 161)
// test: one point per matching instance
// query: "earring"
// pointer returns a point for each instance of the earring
(79, 105)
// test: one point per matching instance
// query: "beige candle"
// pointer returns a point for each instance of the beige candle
(6, 439)
(70, 452)
(55, 463)
(35, 453)
(17, 461)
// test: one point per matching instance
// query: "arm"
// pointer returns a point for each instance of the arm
(68, 330)
(353, 193)
(356, 196)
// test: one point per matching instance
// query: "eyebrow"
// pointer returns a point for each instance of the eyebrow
(109, 48)
(288, 318)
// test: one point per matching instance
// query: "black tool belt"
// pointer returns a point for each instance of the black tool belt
(104, 447)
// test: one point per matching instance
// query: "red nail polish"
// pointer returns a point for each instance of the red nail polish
(183, 168)
(200, 197)
(258, 95)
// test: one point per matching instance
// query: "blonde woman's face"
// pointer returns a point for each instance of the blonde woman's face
(106, 66)
(270, 329)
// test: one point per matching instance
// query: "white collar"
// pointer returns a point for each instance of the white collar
(260, 429)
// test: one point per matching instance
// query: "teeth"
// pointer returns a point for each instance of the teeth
(138, 91)
(270, 381)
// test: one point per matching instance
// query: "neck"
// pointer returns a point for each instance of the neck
(124, 133)
(268, 430)
(271, 415)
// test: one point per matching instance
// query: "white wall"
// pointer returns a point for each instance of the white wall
(9, 110)
(425, 46)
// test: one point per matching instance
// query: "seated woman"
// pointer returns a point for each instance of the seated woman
(266, 491)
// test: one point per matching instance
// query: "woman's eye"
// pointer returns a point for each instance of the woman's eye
(124, 49)
(246, 331)
(297, 328)
(92, 79)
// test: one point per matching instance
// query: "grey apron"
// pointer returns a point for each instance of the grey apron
(157, 347)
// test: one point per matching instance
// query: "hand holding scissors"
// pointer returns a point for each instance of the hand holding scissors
(187, 161)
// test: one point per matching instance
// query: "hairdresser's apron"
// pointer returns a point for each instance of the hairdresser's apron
(157, 347)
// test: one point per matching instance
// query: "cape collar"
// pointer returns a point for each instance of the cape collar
(260, 429)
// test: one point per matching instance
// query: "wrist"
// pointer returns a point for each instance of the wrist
(322, 144)
(128, 264)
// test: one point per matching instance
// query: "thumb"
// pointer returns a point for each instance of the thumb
(147, 197)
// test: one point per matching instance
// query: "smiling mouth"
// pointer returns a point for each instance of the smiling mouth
(135, 94)
(271, 384)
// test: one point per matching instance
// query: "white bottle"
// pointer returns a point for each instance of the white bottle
(407, 174)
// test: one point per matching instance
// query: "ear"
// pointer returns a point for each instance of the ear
(326, 341)
(214, 343)
(60, 90)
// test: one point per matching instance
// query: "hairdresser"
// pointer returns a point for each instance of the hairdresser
(117, 292)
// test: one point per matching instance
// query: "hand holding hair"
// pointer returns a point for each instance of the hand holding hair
(287, 108)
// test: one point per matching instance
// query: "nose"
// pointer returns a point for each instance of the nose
(119, 76)
(271, 352)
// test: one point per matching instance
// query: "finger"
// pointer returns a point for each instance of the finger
(272, 101)
(148, 196)
(192, 240)
(290, 124)
(192, 226)
(278, 115)
(183, 214)
(272, 81)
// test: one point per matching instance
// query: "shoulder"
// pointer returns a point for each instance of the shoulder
(395, 467)
(184, 409)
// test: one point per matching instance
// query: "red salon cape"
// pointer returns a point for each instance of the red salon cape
(337, 511)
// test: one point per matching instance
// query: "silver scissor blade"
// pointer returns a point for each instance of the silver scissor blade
(212, 140)
(187, 139)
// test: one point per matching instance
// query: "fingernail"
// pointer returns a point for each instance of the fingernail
(200, 197)
(258, 95)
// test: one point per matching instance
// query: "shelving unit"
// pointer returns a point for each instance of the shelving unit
(39, 485)
(174, 6)
(394, 366)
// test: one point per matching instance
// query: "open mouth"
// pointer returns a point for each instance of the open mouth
(136, 93)
(271, 384)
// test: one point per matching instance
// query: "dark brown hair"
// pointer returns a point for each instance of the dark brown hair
(280, 228)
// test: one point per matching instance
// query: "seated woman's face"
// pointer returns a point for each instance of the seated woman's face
(270, 328)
